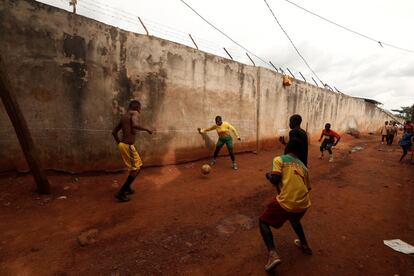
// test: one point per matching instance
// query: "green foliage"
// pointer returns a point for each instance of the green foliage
(405, 112)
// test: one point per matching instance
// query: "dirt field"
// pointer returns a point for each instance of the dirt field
(181, 223)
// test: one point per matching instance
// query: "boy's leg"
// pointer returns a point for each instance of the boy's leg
(219, 145)
(329, 149)
(133, 162)
(322, 148)
(126, 187)
(229, 145)
(390, 140)
(405, 151)
(302, 243)
(267, 236)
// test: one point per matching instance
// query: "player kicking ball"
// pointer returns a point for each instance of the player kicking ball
(328, 142)
(224, 130)
(290, 178)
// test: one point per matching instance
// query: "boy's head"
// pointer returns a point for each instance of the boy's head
(219, 121)
(135, 105)
(328, 126)
(294, 146)
(295, 121)
(386, 122)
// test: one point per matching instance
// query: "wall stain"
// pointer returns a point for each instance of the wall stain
(74, 46)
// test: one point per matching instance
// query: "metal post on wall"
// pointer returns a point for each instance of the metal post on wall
(302, 76)
(323, 84)
(315, 82)
(281, 70)
(293, 76)
(228, 53)
(250, 59)
(193, 41)
(273, 66)
(142, 23)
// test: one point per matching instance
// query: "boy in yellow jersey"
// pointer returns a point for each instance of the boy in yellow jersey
(129, 126)
(290, 177)
(223, 130)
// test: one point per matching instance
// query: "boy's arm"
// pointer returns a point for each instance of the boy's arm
(307, 182)
(204, 130)
(338, 137)
(115, 132)
(320, 138)
(274, 179)
(135, 125)
(232, 128)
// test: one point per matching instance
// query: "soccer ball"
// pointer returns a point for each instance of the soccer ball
(205, 169)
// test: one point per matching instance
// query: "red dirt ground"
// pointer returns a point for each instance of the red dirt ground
(181, 223)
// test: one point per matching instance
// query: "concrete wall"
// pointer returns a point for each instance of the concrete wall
(74, 76)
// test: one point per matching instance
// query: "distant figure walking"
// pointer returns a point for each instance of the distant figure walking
(384, 132)
(328, 142)
(392, 132)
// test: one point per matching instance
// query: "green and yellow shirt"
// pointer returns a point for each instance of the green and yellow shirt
(222, 130)
(294, 185)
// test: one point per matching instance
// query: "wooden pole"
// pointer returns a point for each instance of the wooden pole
(22, 131)
(73, 3)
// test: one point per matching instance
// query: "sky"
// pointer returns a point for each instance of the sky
(353, 64)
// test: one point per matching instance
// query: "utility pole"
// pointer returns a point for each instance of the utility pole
(22, 131)
(73, 3)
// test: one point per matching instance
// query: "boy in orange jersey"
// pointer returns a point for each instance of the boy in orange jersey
(328, 142)
(223, 130)
(290, 178)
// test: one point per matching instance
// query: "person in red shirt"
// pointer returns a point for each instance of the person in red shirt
(408, 127)
(328, 142)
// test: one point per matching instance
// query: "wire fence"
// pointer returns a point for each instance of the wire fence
(135, 23)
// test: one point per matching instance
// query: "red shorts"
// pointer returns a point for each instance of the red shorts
(276, 216)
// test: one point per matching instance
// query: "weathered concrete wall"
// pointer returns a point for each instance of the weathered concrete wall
(73, 77)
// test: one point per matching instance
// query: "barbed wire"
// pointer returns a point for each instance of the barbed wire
(100, 11)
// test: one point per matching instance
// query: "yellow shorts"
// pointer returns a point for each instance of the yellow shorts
(130, 156)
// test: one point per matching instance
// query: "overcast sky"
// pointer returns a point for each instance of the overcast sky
(355, 65)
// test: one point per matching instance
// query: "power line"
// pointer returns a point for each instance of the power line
(350, 30)
(293, 44)
(220, 31)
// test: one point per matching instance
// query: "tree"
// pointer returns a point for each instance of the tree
(406, 112)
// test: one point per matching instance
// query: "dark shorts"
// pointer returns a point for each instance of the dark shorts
(326, 145)
(276, 216)
(228, 140)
